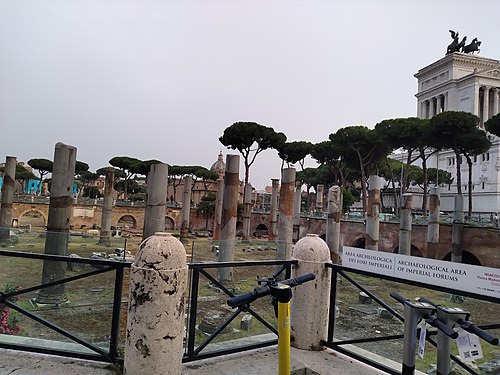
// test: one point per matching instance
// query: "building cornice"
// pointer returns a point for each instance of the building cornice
(459, 59)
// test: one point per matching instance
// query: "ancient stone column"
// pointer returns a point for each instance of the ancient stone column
(186, 208)
(309, 305)
(155, 323)
(9, 179)
(433, 224)
(229, 216)
(334, 210)
(495, 101)
(247, 211)
(457, 230)
(58, 222)
(320, 190)
(273, 216)
(405, 225)
(373, 212)
(156, 203)
(107, 208)
(218, 209)
(285, 220)
(296, 211)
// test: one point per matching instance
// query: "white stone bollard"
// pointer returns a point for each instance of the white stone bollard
(310, 302)
(155, 324)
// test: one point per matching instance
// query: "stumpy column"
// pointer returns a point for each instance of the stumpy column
(218, 209)
(373, 212)
(320, 191)
(296, 211)
(107, 208)
(433, 225)
(405, 225)
(247, 211)
(333, 222)
(229, 216)
(58, 222)
(273, 217)
(154, 214)
(457, 230)
(186, 209)
(285, 220)
(9, 178)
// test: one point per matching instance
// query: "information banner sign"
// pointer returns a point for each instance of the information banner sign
(474, 279)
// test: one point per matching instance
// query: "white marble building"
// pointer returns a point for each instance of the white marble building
(471, 83)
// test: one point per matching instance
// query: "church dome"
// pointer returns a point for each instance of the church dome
(219, 166)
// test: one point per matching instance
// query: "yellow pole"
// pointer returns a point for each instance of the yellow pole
(284, 338)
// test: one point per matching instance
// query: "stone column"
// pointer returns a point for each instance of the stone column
(373, 212)
(296, 211)
(457, 230)
(218, 209)
(445, 102)
(8, 187)
(186, 208)
(247, 211)
(285, 220)
(273, 217)
(333, 222)
(58, 223)
(405, 225)
(486, 103)
(309, 305)
(229, 216)
(156, 204)
(433, 225)
(157, 296)
(107, 208)
(434, 106)
(320, 190)
(495, 101)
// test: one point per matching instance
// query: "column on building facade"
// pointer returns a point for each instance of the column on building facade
(476, 100)
(445, 101)
(486, 103)
(434, 106)
(495, 101)
(426, 109)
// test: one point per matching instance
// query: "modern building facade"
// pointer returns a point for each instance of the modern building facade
(470, 83)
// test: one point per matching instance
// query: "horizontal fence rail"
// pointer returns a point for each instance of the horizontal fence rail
(96, 352)
(340, 345)
(193, 352)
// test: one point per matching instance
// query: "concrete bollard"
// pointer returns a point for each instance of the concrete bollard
(155, 324)
(310, 302)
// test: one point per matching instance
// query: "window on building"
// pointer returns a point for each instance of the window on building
(449, 186)
(487, 156)
(483, 157)
(482, 185)
(475, 158)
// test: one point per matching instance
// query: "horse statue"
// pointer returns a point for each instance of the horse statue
(472, 46)
(451, 48)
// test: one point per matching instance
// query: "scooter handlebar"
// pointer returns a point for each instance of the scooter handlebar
(262, 291)
(472, 328)
(398, 297)
(434, 321)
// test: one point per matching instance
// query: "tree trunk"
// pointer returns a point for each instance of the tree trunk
(469, 183)
(426, 184)
(459, 176)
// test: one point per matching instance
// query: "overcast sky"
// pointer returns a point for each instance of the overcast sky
(163, 79)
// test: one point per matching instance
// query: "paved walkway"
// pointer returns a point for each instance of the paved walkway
(257, 362)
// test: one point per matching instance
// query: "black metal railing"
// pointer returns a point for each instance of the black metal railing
(343, 345)
(194, 351)
(105, 353)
